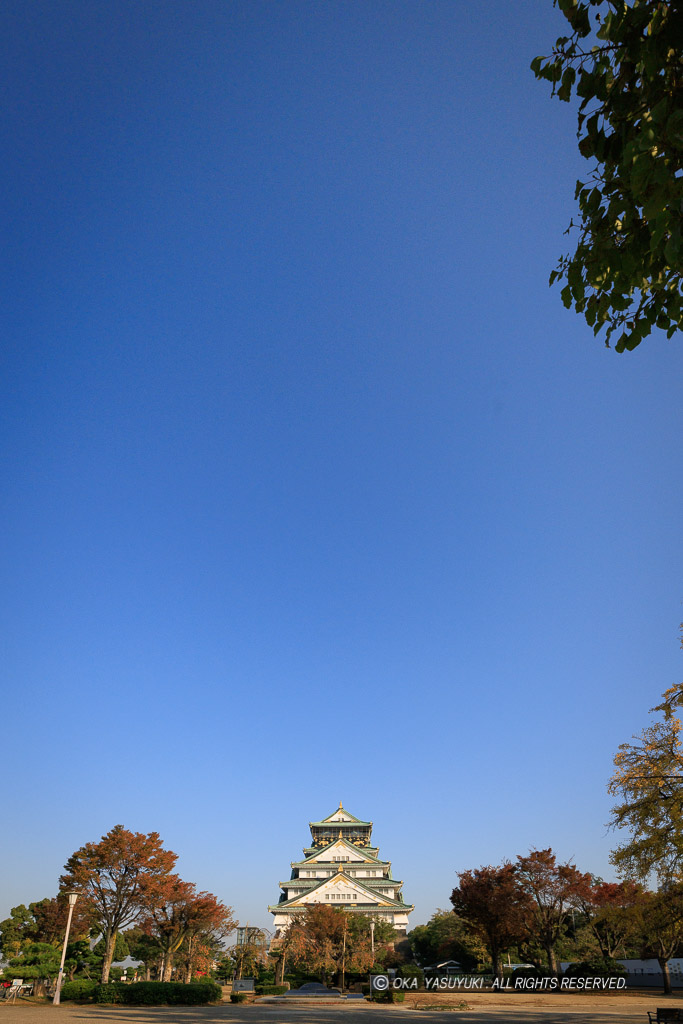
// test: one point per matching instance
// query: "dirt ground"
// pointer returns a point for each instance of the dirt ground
(588, 1002)
(433, 1007)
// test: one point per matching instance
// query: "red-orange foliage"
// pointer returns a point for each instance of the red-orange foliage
(114, 878)
(611, 909)
(177, 914)
(490, 899)
(551, 888)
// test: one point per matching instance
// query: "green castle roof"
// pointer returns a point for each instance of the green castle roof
(315, 851)
(353, 820)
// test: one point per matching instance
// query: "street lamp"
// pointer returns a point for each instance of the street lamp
(72, 897)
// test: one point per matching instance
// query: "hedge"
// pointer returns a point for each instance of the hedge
(154, 993)
(390, 995)
(80, 988)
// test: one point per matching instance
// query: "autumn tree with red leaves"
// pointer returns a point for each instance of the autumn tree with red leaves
(114, 879)
(612, 912)
(322, 940)
(177, 915)
(490, 900)
(552, 889)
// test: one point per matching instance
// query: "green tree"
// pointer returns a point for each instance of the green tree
(661, 927)
(44, 922)
(146, 948)
(38, 960)
(446, 937)
(623, 60)
(14, 931)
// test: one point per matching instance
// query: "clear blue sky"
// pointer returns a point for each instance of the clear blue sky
(312, 489)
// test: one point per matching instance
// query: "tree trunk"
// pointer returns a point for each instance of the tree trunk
(666, 977)
(109, 947)
(188, 965)
(280, 970)
(168, 968)
(495, 960)
(552, 960)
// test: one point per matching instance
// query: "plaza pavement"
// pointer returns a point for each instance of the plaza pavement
(626, 1011)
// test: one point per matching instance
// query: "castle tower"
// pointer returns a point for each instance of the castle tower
(341, 869)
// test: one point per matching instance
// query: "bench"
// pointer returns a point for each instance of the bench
(665, 1015)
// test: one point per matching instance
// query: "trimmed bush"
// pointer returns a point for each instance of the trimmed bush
(238, 997)
(111, 993)
(596, 967)
(271, 990)
(391, 995)
(80, 988)
(157, 993)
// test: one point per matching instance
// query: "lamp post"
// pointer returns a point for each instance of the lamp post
(72, 897)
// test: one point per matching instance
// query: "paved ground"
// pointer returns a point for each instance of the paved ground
(587, 1011)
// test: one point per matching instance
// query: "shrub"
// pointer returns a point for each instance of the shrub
(391, 995)
(528, 972)
(111, 993)
(155, 993)
(81, 988)
(596, 967)
(238, 997)
(271, 990)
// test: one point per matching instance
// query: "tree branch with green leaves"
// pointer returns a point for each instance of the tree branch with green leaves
(623, 61)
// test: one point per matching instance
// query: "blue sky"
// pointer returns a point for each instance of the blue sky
(312, 488)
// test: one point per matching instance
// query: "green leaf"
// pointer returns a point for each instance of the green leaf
(565, 91)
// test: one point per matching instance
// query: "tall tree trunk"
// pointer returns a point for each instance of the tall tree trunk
(552, 960)
(109, 947)
(168, 968)
(188, 966)
(666, 977)
(280, 970)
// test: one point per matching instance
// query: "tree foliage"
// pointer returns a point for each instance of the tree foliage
(177, 917)
(115, 878)
(648, 778)
(623, 61)
(612, 909)
(661, 927)
(446, 936)
(44, 922)
(326, 941)
(551, 888)
(492, 902)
